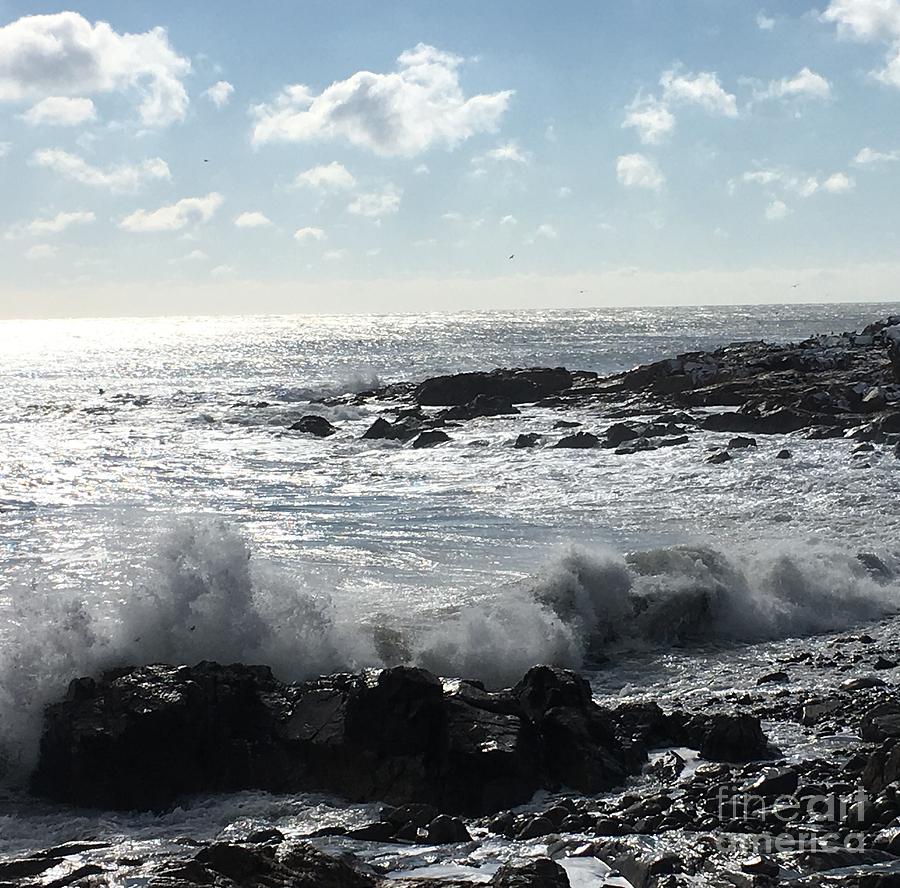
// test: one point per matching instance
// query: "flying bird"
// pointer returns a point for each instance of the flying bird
(513, 256)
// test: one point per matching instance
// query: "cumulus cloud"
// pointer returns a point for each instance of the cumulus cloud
(804, 84)
(418, 106)
(220, 93)
(838, 183)
(639, 171)
(870, 20)
(509, 220)
(174, 217)
(117, 178)
(55, 224)
(703, 89)
(868, 157)
(544, 231)
(39, 252)
(332, 176)
(777, 210)
(63, 54)
(651, 118)
(375, 204)
(508, 152)
(221, 271)
(5, 148)
(60, 111)
(252, 220)
(309, 234)
(764, 22)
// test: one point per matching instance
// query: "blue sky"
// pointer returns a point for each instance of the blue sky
(313, 156)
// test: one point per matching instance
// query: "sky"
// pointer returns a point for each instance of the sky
(292, 157)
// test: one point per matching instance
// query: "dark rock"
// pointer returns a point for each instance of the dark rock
(741, 443)
(518, 386)
(783, 454)
(882, 767)
(481, 405)
(536, 827)
(314, 425)
(731, 737)
(431, 439)
(402, 430)
(619, 433)
(579, 440)
(27, 868)
(444, 830)
(673, 442)
(773, 678)
(723, 456)
(527, 439)
(885, 663)
(881, 723)
(638, 445)
(266, 836)
(566, 424)
(539, 873)
(140, 738)
(761, 866)
(774, 782)
(862, 683)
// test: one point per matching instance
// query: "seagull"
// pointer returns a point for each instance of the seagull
(794, 286)
(206, 160)
(513, 256)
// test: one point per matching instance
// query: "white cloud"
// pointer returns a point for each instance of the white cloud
(651, 118)
(764, 22)
(39, 252)
(252, 220)
(309, 234)
(5, 148)
(332, 176)
(777, 210)
(838, 183)
(639, 171)
(509, 151)
(545, 231)
(564, 192)
(703, 89)
(60, 111)
(193, 256)
(374, 204)
(63, 54)
(509, 220)
(867, 156)
(334, 255)
(870, 20)
(865, 19)
(221, 271)
(419, 106)
(174, 217)
(220, 93)
(116, 178)
(56, 224)
(374, 251)
(422, 170)
(804, 84)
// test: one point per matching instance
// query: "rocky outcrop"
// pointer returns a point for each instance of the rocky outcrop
(515, 386)
(142, 737)
(314, 425)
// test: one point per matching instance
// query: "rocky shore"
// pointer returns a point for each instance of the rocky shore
(832, 386)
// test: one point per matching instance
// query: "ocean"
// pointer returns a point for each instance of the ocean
(155, 506)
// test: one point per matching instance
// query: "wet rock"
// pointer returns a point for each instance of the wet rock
(26, 868)
(539, 873)
(314, 425)
(884, 663)
(527, 439)
(566, 424)
(741, 443)
(444, 830)
(140, 738)
(862, 683)
(481, 405)
(723, 456)
(783, 454)
(813, 713)
(760, 866)
(518, 386)
(778, 677)
(881, 723)
(403, 430)
(578, 441)
(774, 782)
(430, 439)
(536, 827)
(619, 433)
(731, 737)
(638, 445)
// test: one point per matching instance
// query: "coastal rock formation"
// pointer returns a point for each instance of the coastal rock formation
(516, 386)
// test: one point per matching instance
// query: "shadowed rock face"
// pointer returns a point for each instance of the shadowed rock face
(515, 386)
(142, 737)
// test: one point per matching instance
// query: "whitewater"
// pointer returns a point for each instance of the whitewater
(156, 508)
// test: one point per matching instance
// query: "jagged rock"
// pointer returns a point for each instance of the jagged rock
(527, 439)
(619, 433)
(142, 737)
(538, 873)
(481, 405)
(402, 430)
(723, 456)
(580, 440)
(741, 443)
(881, 723)
(518, 386)
(731, 737)
(638, 445)
(778, 677)
(314, 425)
(774, 782)
(430, 439)
(783, 454)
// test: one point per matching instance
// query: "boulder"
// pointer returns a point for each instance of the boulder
(741, 443)
(518, 386)
(729, 737)
(481, 405)
(723, 456)
(314, 425)
(140, 738)
(538, 873)
(402, 430)
(578, 441)
(430, 439)
(619, 433)
(527, 439)
(881, 723)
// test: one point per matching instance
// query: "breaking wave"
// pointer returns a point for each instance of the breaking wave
(202, 596)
